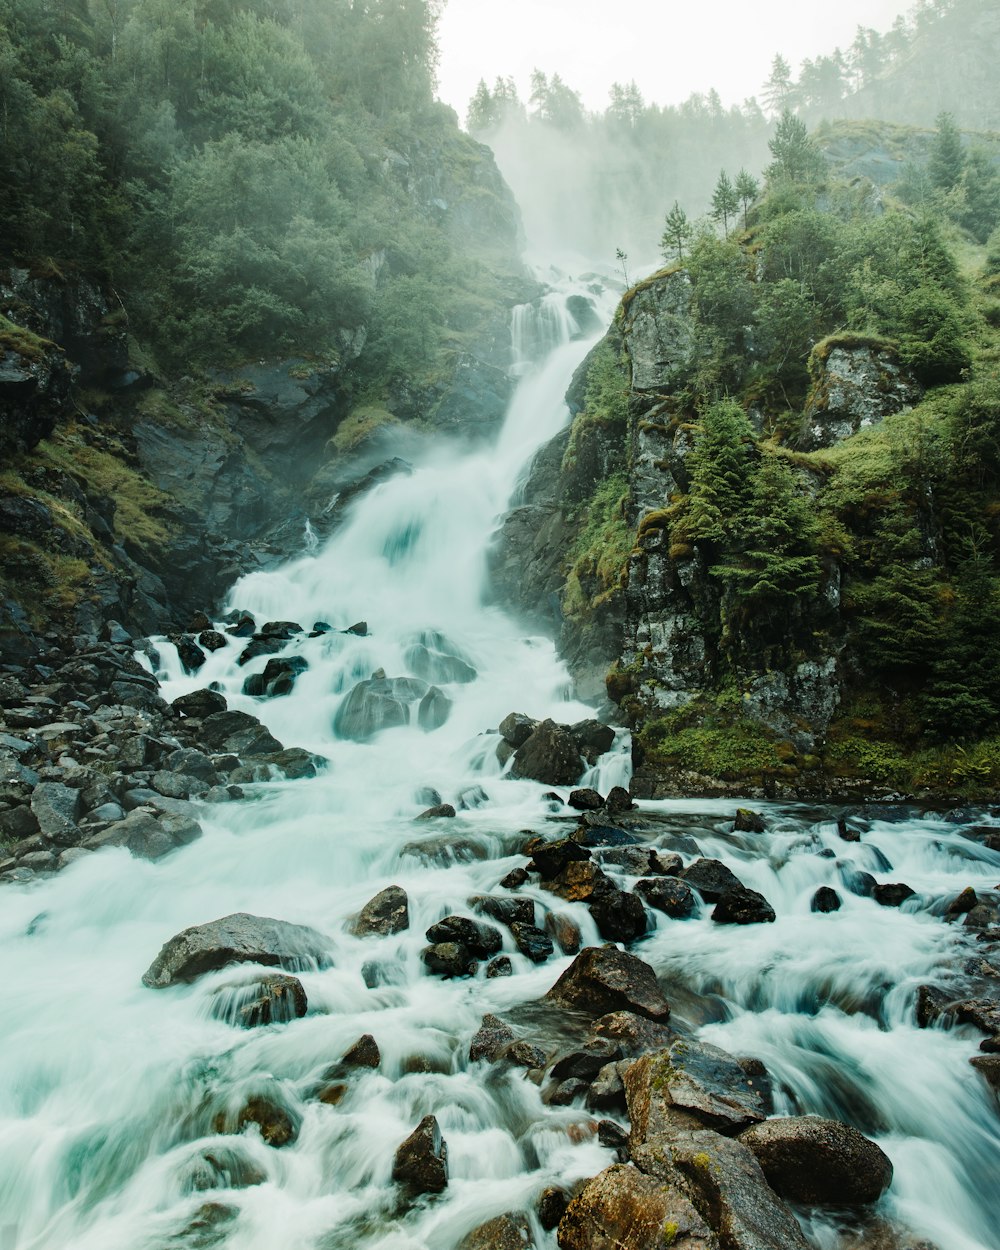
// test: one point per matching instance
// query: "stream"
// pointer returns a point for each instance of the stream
(109, 1090)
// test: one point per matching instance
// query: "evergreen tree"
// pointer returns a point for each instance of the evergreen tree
(725, 201)
(778, 88)
(747, 189)
(678, 231)
(947, 159)
(796, 157)
(481, 114)
(721, 464)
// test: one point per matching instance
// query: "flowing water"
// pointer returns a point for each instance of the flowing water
(109, 1091)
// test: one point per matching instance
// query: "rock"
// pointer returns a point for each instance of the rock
(514, 879)
(551, 858)
(618, 800)
(18, 823)
(988, 1066)
(505, 910)
(189, 653)
(271, 999)
(857, 882)
(277, 679)
(607, 1089)
(239, 938)
(506, 1232)
(531, 941)
(637, 861)
(387, 913)
(820, 1162)
(621, 1209)
(634, 1035)
(825, 900)
(276, 1126)
(551, 1206)
(748, 821)
(593, 738)
(585, 800)
(550, 755)
(379, 703)
(434, 665)
(517, 728)
(364, 1053)
(433, 710)
(147, 836)
(450, 959)
(500, 967)
(728, 1188)
(565, 932)
(57, 808)
(893, 895)
(493, 1035)
(224, 1168)
(472, 798)
(580, 881)
(690, 1084)
(711, 878)
(619, 916)
(443, 811)
(742, 906)
(962, 903)
(238, 733)
(845, 832)
(603, 979)
(212, 640)
(855, 387)
(565, 1093)
(584, 1063)
(421, 1162)
(481, 939)
(674, 898)
(192, 763)
(613, 1137)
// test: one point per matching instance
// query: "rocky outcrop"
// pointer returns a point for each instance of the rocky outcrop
(856, 384)
(236, 939)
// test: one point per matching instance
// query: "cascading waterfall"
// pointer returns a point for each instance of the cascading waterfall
(110, 1092)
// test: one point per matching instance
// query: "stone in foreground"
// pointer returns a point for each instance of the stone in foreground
(603, 979)
(622, 1208)
(421, 1162)
(240, 938)
(820, 1162)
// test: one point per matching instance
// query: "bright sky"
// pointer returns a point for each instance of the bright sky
(670, 47)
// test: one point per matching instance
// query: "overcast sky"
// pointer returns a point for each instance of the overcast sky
(670, 47)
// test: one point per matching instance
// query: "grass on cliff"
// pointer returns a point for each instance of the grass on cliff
(602, 547)
(15, 338)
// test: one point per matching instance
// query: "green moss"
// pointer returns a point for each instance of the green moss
(714, 737)
(15, 338)
(358, 425)
(603, 544)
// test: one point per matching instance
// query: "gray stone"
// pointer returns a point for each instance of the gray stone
(388, 912)
(57, 809)
(621, 1209)
(421, 1162)
(603, 979)
(239, 938)
(820, 1162)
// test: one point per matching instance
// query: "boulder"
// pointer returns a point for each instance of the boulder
(593, 738)
(517, 728)
(239, 938)
(277, 1127)
(531, 941)
(742, 906)
(674, 898)
(621, 1209)
(433, 665)
(585, 800)
(550, 755)
(379, 703)
(893, 895)
(387, 913)
(619, 916)
(711, 878)
(819, 1162)
(147, 836)
(551, 858)
(277, 679)
(506, 1232)
(57, 808)
(364, 1053)
(269, 999)
(825, 899)
(634, 1035)
(604, 979)
(690, 1084)
(450, 959)
(728, 1188)
(482, 940)
(504, 909)
(564, 931)
(433, 710)
(443, 811)
(420, 1164)
(748, 821)
(493, 1035)
(237, 733)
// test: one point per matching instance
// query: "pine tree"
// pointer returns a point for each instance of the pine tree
(778, 88)
(747, 189)
(725, 201)
(721, 465)
(796, 157)
(678, 231)
(947, 160)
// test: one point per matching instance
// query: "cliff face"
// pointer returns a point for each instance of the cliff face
(130, 493)
(654, 628)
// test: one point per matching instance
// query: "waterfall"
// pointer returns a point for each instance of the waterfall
(110, 1093)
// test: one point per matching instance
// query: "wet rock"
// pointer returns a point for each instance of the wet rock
(500, 967)
(449, 959)
(743, 906)
(667, 894)
(962, 903)
(57, 808)
(212, 640)
(277, 1126)
(690, 1085)
(857, 882)
(585, 800)
(505, 910)
(433, 665)
(433, 710)
(481, 939)
(988, 1066)
(748, 821)
(421, 1162)
(517, 728)
(618, 800)
(580, 881)
(272, 999)
(147, 836)
(364, 1053)
(565, 1093)
(893, 895)
(379, 703)
(819, 1162)
(637, 861)
(277, 679)
(551, 1206)
(728, 1188)
(711, 878)
(443, 811)
(224, 1168)
(586, 1061)
(239, 938)
(200, 703)
(613, 1137)
(931, 1003)
(607, 1089)
(189, 653)
(603, 979)
(514, 879)
(551, 858)
(619, 916)
(564, 931)
(359, 629)
(531, 941)
(622, 1208)
(845, 832)
(506, 1232)
(634, 1035)
(473, 798)
(593, 738)
(825, 899)
(18, 823)
(550, 755)
(493, 1035)
(238, 733)
(387, 913)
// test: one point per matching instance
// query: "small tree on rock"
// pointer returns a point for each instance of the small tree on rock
(725, 201)
(747, 189)
(677, 232)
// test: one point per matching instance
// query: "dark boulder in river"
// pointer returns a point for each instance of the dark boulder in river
(240, 938)
(421, 1162)
(379, 703)
(603, 979)
(816, 1161)
(549, 755)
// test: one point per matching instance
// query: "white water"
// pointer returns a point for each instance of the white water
(108, 1090)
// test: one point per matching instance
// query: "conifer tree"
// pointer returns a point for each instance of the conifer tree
(721, 463)
(725, 201)
(747, 189)
(796, 157)
(947, 160)
(677, 232)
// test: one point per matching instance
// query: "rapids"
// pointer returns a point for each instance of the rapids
(109, 1090)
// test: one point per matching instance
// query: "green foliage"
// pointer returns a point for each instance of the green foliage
(677, 233)
(725, 201)
(796, 157)
(947, 158)
(721, 464)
